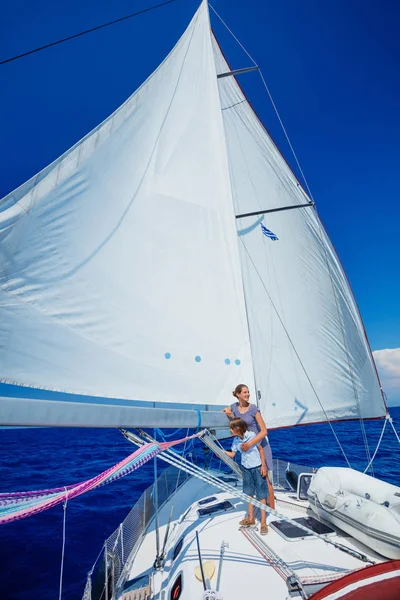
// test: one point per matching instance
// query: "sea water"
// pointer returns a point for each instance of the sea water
(30, 549)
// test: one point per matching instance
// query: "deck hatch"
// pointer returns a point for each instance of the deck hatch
(207, 500)
(215, 508)
(291, 532)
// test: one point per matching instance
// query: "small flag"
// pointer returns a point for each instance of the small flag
(270, 234)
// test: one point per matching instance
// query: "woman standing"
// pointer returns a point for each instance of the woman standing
(251, 415)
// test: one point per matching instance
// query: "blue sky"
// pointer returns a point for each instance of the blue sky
(333, 70)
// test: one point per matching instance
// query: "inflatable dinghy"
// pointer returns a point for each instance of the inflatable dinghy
(366, 508)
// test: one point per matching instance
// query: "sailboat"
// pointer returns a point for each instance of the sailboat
(168, 255)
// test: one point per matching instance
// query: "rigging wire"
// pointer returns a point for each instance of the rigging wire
(394, 429)
(75, 35)
(174, 493)
(183, 454)
(156, 507)
(389, 418)
(272, 102)
(378, 445)
(63, 543)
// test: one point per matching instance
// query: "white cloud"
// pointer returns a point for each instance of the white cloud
(388, 364)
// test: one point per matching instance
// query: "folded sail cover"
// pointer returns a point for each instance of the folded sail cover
(123, 275)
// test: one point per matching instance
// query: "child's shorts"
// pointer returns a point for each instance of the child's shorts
(254, 484)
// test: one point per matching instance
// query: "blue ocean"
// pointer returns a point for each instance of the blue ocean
(30, 549)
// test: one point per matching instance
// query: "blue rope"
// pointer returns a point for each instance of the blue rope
(164, 437)
(167, 436)
(198, 420)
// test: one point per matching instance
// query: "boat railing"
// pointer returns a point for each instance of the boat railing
(102, 579)
(282, 469)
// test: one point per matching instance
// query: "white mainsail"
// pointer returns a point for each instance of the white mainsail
(123, 274)
(121, 271)
(311, 357)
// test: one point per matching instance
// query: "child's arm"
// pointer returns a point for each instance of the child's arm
(260, 436)
(230, 454)
(263, 465)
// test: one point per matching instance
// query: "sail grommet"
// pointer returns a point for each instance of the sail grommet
(167, 355)
(197, 358)
(227, 361)
(237, 362)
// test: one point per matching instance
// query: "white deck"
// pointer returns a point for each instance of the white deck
(245, 572)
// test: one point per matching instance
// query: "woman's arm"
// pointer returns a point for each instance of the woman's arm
(263, 465)
(228, 412)
(260, 436)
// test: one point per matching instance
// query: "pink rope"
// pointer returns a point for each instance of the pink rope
(58, 495)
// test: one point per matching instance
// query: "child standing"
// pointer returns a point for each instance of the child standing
(254, 471)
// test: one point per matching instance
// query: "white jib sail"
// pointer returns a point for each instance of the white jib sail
(311, 357)
(120, 270)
